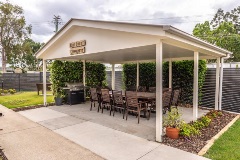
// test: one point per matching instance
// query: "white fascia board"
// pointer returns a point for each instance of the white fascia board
(192, 38)
(190, 45)
(53, 40)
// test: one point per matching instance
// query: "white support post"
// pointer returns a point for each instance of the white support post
(159, 108)
(137, 84)
(113, 76)
(220, 86)
(84, 78)
(44, 83)
(170, 74)
(195, 86)
(217, 84)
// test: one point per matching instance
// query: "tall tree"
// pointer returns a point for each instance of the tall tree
(222, 31)
(23, 56)
(13, 30)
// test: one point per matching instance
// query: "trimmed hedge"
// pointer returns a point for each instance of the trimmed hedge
(182, 72)
(64, 71)
(147, 74)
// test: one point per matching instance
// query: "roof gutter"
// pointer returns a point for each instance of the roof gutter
(190, 37)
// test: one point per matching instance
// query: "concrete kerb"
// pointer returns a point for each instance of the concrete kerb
(211, 141)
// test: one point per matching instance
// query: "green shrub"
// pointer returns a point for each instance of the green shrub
(5, 91)
(12, 91)
(198, 124)
(194, 128)
(206, 120)
(188, 130)
(182, 77)
(182, 72)
(64, 71)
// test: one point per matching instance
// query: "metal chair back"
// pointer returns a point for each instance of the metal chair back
(142, 89)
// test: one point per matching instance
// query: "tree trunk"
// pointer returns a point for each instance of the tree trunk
(4, 63)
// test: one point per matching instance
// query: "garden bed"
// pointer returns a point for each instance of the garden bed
(195, 143)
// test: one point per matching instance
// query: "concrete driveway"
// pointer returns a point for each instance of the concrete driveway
(102, 140)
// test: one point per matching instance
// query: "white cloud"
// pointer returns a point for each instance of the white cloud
(184, 14)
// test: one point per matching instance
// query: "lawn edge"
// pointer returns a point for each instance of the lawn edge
(17, 109)
(211, 141)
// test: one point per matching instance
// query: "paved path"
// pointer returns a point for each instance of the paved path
(23, 139)
(104, 141)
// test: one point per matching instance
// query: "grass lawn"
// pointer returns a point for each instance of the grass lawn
(23, 99)
(227, 147)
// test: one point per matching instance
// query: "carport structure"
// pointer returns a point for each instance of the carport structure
(118, 42)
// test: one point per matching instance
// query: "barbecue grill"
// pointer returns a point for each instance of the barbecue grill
(75, 93)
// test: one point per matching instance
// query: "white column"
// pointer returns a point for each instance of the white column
(159, 108)
(217, 84)
(84, 78)
(113, 76)
(170, 74)
(137, 84)
(195, 86)
(44, 83)
(220, 86)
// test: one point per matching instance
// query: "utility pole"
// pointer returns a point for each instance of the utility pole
(56, 21)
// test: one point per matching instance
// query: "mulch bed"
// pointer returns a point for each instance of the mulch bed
(195, 143)
(31, 107)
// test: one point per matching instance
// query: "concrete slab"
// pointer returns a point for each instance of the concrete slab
(9, 124)
(164, 152)
(106, 142)
(23, 139)
(40, 144)
(41, 114)
(61, 122)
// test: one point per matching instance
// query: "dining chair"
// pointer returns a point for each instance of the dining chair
(133, 105)
(166, 102)
(152, 89)
(131, 88)
(175, 97)
(105, 100)
(118, 102)
(93, 97)
(142, 89)
(167, 95)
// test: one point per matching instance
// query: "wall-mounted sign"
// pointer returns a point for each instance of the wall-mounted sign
(77, 47)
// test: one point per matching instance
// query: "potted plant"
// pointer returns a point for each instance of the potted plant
(172, 121)
(58, 97)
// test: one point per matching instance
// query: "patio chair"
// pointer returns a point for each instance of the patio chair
(175, 97)
(152, 89)
(167, 89)
(166, 101)
(132, 104)
(118, 102)
(142, 89)
(93, 97)
(167, 95)
(105, 100)
(131, 88)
